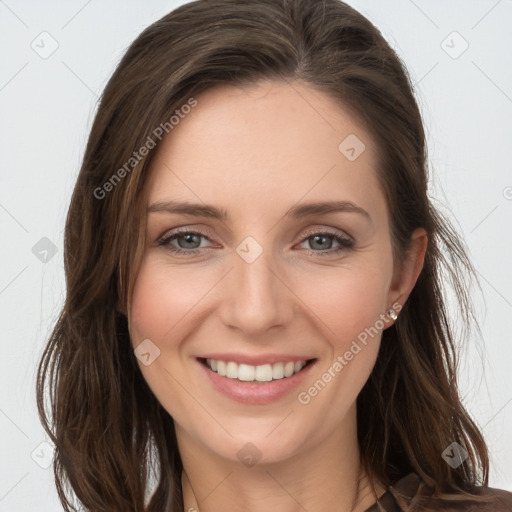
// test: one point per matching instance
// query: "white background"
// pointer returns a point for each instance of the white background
(47, 107)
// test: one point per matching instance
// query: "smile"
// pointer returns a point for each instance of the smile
(263, 384)
(260, 373)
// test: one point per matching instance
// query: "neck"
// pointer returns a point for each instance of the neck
(323, 477)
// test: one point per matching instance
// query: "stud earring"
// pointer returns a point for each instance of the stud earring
(392, 314)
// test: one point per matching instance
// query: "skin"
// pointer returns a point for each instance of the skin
(256, 152)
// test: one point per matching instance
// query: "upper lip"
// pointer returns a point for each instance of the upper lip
(254, 360)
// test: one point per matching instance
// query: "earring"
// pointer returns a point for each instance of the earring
(392, 313)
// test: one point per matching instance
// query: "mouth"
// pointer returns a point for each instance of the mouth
(261, 374)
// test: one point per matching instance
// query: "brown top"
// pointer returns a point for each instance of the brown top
(411, 494)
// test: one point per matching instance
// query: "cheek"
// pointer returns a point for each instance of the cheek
(162, 302)
(348, 303)
(162, 298)
(151, 304)
(347, 300)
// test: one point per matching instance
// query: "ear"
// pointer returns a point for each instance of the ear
(404, 280)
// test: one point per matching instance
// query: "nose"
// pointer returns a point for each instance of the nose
(256, 297)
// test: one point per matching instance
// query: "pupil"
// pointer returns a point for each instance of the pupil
(189, 239)
(320, 237)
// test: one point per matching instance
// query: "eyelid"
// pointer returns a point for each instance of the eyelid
(327, 231)
(205, 232)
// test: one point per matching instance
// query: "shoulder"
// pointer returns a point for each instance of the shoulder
(411, 494)
(500, 499)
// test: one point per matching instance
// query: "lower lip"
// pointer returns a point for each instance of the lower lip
(256, 392)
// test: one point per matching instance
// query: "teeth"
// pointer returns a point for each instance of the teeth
(289, 369)
(263, 373)
(221, 368)
(249, 373)
(278, 371)
(232, 370)
(244, 372)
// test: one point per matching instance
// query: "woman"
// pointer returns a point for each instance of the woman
(254, 317)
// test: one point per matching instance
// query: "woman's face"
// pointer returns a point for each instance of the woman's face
(284, 256)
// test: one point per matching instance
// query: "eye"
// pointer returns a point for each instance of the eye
(187, 242)
(321, 243)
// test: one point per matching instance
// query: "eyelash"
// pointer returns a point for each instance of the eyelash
(345, 244)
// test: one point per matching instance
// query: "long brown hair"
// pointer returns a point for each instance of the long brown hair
(113, 440)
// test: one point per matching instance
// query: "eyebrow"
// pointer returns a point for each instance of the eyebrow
(297, 212)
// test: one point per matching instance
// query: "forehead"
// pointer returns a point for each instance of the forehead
(270, 144)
